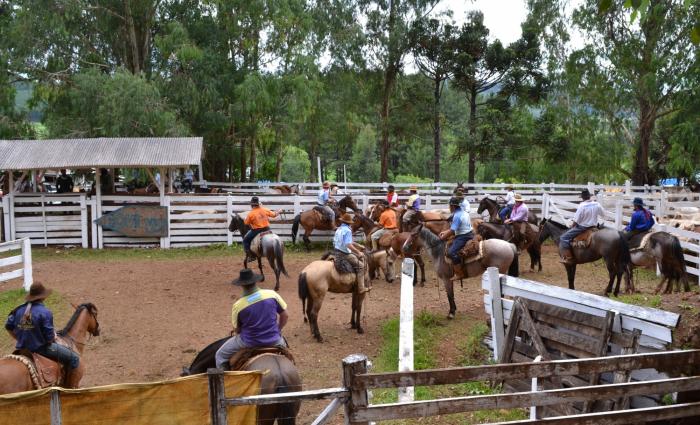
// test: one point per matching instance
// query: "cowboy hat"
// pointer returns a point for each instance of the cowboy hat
(585, 194)
(247, 277)
(391, 188)
(37, 292)
(414, 187)
(638, 201)
(346, 218)
(326, 184)
(254, 201)
(518, 198)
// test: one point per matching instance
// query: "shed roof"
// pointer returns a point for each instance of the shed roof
(104, 152)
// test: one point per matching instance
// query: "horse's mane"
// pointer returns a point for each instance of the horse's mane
(433, 243)
(91, 308)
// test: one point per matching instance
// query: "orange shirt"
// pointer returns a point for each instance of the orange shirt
(388, 219)
(257, 217)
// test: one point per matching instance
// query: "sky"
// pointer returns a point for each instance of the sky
(501, 17)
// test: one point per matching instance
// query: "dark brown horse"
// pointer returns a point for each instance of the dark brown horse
(490, 205)
(606, 243)
(271, 246)
(665, 250)
(281, 376)
(313, 219)
(505, 232)
(14, 375)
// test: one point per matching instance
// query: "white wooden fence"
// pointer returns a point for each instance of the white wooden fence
(406, 364)
(19, 265)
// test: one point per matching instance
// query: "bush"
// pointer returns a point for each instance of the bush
(296, 165)
(409, 178)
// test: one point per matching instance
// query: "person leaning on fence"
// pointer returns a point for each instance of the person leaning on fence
(518, 221)
(64, 183)
(344, 247)
(586, 217)
(510, 203)
(461, 229)
(257, 317)
(642, 220)
(387, 222)
(31, 325)
(324, 197)
(392, 197)
(258, 221)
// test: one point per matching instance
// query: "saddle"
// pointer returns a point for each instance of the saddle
(246, 356)
(43, 371)
(583, 240)
(386, 238)
(471, 252)
(324, 213)
(342, 265)
(640, 241)
(256, 244)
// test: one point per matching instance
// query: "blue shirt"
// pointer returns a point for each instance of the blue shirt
(36, 331)
(322, 197)
(641, 220)
(461, 223)
(342, 238)
(256, 316)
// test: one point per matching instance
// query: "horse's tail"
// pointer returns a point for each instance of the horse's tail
(295, 228)
(624, 259)
(279, 255)
(677, 255)
(303, 293)
(287, 412)
(514, 269)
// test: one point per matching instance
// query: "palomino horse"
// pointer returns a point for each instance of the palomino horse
(490, 205)
(605, 243)
(281, 376)
(14, 375)
(505, 232)
(315, 281)
(380, 260)
(313, 219)
(271, 246)
(665, 250)
(497, 253)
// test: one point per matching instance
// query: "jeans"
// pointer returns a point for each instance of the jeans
(505, 212)
(252, 233)
(569, 235)
(236, 344)
(187, 185)
(457, 245)
(61, 354)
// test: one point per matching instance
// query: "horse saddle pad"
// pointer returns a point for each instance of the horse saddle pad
(48, 372)
(472, 250)
(246, 356)
(386, 238)
(583, 240)
(639, 242)
(256, 244)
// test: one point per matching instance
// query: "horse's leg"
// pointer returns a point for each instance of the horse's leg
(421, 264)
(307, 241)
(353, 308)
(358, 313)
(260, 267)
(312, 311)
(449, 289)
(661, 284)
(612, 273)
(271, 261)
(571, 274)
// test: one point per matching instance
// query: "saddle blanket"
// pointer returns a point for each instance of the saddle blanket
(583, 240)
(256, 244)
(246, 356)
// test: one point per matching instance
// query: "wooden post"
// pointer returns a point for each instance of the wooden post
(43, 220)
(318, 168)
(497, 322)
(6, 216)
(229, 215)
(98, 207)
(618, 213)
(534, 388)
(33, 177)
(663, 204)
(406, 326)
(545, 205)
(27, 263)
(56, 408)
(83, 221)
(628, 187)
(297, 205)
(200, 172)
(217, 411)
(428, 202)
(365, 203)
(161, 193)
(354, 364)
(171, 177)
(165, 241)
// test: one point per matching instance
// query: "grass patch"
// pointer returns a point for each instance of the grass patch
(643, 300)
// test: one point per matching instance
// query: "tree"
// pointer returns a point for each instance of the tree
(363, 163)
(295, 165)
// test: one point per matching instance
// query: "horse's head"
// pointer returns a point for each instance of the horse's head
(348, 202)
(412, 243)
(236, 223)
(483, 205)
(93, 324)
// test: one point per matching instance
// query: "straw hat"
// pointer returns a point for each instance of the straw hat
(346, 218)
(37, 292)
(518, 198)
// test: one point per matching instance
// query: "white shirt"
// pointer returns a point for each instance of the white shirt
(510, 198)
(465, 206)
(587, 213)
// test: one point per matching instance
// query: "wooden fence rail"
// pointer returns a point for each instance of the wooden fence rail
(19, 265)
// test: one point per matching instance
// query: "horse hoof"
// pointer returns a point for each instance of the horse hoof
(319, 339)
(277, 288)
(360, 331)
(451, 316)
(306, 320)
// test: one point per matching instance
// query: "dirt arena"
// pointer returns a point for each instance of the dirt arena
(156, 314)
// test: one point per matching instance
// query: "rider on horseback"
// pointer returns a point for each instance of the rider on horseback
(387, 221)
(258, 221)
(413, 205)
(586, 217)
(324, 198)
(464, 202)
(391, 197)
(642, 220)
(461, 229)
(255, 319)
(31, 325)
(510, 203)
(518, 221)
(351, 251)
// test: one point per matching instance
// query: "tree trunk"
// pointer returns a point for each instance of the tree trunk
(252, 156)
(647, 121)
(472, 133)
(243, 159)
(278, 161)
(436, 129)
(389, 79)
(133, 41)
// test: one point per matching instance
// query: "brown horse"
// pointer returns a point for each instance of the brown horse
(313, 219)
(281, 376)
(665, 250)
(505, 232)
(285, 189)
(490, 205)
(14, 375)
(315, 281)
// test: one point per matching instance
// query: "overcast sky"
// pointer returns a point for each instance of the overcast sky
(501, 17)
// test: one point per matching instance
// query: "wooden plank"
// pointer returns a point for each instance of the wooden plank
(580, 343)
(453, 405)
(61, 241)
(210, 238)
(328, 412)
(8, 261)
(406, 326)
(277, 398)
(49, 218)
(497, 321)
(569, 315)
(47, 209)
(10, 246)
(11, 275)
(184, 232)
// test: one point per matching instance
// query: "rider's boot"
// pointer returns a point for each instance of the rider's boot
(360, 277)
(249, 256)
(72, 378)
(375, 244)
(458, 271)
(567, 256)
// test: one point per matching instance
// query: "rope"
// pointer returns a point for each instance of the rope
(30, 366)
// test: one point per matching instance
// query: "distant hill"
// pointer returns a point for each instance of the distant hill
(23, 93)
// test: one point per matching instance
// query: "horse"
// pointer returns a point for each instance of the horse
(281, 376)
(285, 189)
(318, 278)
(272, 249)
(665, 250)
(380, 260)
(490, 205)
(14, 375)
(498, 253)
(606, 243)
(489, 230)
(313, 219)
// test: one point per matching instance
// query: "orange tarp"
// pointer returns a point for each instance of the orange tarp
(180, 401)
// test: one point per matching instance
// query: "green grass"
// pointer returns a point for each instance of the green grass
(644, 300)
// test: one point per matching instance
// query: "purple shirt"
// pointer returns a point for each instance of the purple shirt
(256, 315)
(519, 212)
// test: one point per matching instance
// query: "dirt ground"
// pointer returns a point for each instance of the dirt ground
(156, 314)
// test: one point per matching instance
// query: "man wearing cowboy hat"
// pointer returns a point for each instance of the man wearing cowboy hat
(351, 251)
(387, 223)
(324, 197)
(464, 202)
(31, 325)
(642, 220)
(586, 217)
(258, 221)
(413, 205)
(461, 229)
(257, 317)
(518, 219)
(510, 203)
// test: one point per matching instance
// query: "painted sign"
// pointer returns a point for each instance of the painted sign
(137, 221)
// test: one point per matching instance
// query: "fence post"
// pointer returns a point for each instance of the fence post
(497, 322)
(297, 205)
(6, 217)
(55, 407)
(27, 263)
(428, 202)
(217, 411)
(591, 187)
(165, 202)
(663, 204)
(406, 326)
(551, 186)
(229, 215)
(545, 205)
(13, 232)
(533, 388)
(618, 213)
(628, 187)
(83, 221)
(354, 364)
(365, 203)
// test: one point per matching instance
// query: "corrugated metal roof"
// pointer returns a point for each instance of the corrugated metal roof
(105, 152)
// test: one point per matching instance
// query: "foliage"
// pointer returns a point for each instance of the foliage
(295, 165)
(363, 162)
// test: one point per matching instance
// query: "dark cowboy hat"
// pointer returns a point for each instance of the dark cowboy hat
(585, 194)
(391, 188)
(346, 218)
(638, 201)
(254, 201)
(247, 277)
(37, 292)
